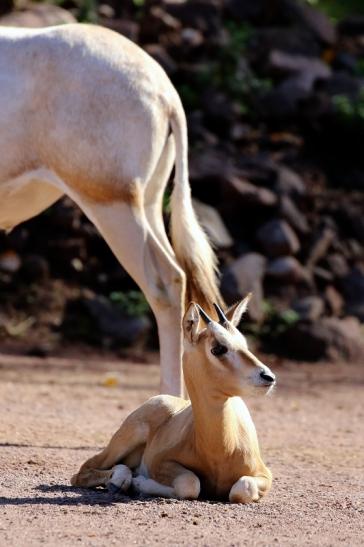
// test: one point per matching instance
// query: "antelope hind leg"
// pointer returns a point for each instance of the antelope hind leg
(129, 236)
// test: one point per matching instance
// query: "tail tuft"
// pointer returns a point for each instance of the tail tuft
(193, 250)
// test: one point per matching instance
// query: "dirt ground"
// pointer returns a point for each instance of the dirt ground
(57, 412)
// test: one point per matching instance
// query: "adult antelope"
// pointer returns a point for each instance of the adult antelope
(85, 112)
(178, 448)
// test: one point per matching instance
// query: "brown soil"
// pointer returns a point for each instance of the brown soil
(57, 412)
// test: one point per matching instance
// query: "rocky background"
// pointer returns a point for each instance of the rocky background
(274, 94)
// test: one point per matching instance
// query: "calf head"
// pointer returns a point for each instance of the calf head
(216, 354)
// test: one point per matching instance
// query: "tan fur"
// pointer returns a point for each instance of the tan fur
(180, 448)
(86, 113)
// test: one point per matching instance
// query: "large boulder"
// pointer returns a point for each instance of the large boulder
(353, 289)
(309, 308)
(211, 221)
(96, 320)
(327, 338)
(287, 269)
(243, 276)
(276, 238)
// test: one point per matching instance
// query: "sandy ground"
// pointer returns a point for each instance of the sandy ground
(56, 412)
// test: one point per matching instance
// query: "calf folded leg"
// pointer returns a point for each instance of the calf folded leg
(102, 469)
(184, 484)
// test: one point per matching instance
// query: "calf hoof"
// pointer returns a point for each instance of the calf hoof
(120, 479)
(245, 490)
(113, 489)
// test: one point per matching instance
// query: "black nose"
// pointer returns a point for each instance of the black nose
(267, 377)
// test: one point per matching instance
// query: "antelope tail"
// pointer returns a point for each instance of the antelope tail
(190, 243)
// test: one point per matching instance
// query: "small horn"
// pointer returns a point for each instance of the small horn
(203, 315)
(222, 318)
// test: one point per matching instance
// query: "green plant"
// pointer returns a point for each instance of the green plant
(338, 9)
(359, 71)
(350, 110)
(87, 9)
(132, 302)
(230, 71)
(276, 322)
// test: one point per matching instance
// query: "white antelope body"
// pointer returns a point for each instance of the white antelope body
(85, 112)
(177, 448)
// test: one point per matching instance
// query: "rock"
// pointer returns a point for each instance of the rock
(246, 11)
(243, 276)
(203, 15)
(191, 38)
(352, 286)
(210, 163)
(352, 26)
(155, 22)
(320, 246)
(38, 15)
(341, 83)
(285, 100)
(351, 218)
(162, 57)
(337, 265)
(293, 215)
(322, 275)
(197, 130)
(94, 319)
(309, 308)
(286, 269)
(314, 20)
(213, 224)
(35, 269)
(6, 6)
(296, 15)
(219, 112)
(277, 238)
(296, 41)
(334, 300)
(10, 262)
(345, 61)
(258, 170)
(244, 194)
(327, 338)
(129, 29)
(310, 69)
(289, 182)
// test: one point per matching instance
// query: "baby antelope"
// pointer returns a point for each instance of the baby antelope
(176, 448)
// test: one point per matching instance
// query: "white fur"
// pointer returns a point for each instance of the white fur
(245, 490)
(121, 477)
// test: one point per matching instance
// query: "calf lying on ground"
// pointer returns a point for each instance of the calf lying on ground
(178, 448)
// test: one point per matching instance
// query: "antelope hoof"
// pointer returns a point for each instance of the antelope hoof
(120, 479)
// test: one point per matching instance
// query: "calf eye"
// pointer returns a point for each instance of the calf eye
(218, 350)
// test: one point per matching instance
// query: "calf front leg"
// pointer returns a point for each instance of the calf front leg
(249, 489)
(184, 484)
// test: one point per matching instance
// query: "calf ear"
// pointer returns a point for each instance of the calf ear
(191, 323)
(235, 312)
